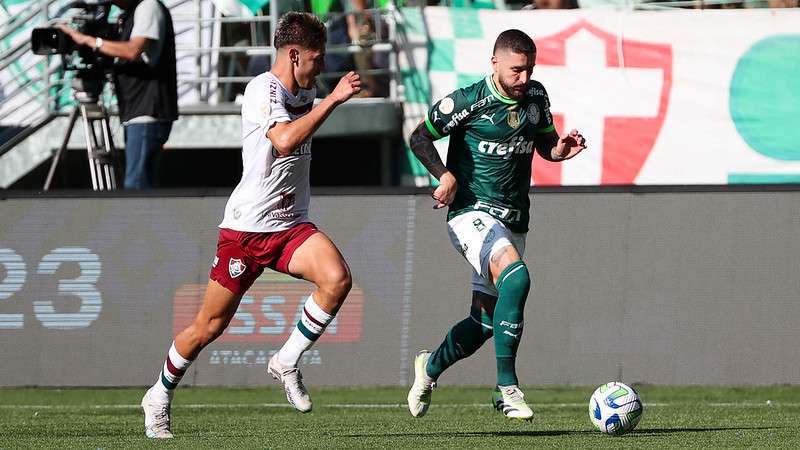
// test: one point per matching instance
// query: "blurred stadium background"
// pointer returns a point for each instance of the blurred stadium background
(667, 254)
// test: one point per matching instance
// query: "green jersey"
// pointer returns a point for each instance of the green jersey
(491, 148)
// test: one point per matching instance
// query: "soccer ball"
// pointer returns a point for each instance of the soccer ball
(615, 408)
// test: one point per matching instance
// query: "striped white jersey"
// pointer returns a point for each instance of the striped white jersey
(274, 191)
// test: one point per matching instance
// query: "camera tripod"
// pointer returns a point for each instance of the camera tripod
(96, 132)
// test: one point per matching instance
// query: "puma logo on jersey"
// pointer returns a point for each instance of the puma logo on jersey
(488, 117)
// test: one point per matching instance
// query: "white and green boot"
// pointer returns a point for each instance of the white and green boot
(511, 402)
(419, 396)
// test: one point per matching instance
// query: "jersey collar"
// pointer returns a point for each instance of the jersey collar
(496, 93)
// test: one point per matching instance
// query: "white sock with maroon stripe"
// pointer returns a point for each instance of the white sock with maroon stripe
(172, 372)
(309, 328)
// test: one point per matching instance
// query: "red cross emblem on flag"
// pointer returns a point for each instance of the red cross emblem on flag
(614, 90)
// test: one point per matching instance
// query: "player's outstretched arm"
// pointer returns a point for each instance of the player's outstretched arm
(129, 50)
(422, 146)
(287, 136)
(554, 148)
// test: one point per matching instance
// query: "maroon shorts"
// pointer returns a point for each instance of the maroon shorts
(242, 255)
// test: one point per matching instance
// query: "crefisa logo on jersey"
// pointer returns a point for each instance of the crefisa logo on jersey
(516, 145)
(455, 119)
(236, 267)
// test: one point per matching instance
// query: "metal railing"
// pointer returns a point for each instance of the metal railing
(35, 89)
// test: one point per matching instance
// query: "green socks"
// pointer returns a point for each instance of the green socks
(467, 336)
(512, 288)
(464, 339)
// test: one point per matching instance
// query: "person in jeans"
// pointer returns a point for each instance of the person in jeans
(145, 81)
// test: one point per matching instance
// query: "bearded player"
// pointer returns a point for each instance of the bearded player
(266, 218)
(493, 125)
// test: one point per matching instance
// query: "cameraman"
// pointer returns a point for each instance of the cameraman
(145, 81)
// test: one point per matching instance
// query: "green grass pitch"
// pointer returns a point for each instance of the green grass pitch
(674, 417)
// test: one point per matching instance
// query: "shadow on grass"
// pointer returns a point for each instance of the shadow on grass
(647, 431)
(642, 432)
(456, 434)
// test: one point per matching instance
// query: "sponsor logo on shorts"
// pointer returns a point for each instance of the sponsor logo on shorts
(497, 211)
(236, 267)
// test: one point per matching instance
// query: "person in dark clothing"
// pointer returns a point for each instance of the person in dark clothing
(145, 81)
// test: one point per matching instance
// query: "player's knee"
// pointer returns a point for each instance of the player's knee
(515, 276)
(338, 282)
(207, 332)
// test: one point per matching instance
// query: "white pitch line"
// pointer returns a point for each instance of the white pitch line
(381, 405)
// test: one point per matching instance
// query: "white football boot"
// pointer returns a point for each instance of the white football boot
(419, 396)
(292, 381)
(511, 401)
(156, 417)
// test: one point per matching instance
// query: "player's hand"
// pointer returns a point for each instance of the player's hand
(348, 86)
(446, 191)
(569, 146)
(76, 36)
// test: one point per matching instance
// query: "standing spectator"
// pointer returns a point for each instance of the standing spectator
(145, 81)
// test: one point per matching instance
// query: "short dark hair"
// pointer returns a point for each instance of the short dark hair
(516, 41)
(299, 28)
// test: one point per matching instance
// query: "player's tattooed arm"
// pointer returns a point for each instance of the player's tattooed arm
(422, 146)
(554, 148)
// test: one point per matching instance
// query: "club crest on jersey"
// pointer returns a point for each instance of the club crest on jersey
(236, 267)
(513, 119)
(533, 113)
(446, 105)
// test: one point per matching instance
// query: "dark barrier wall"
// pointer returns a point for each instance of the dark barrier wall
(659, 288)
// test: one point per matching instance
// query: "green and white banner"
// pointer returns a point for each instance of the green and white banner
(667, 97)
